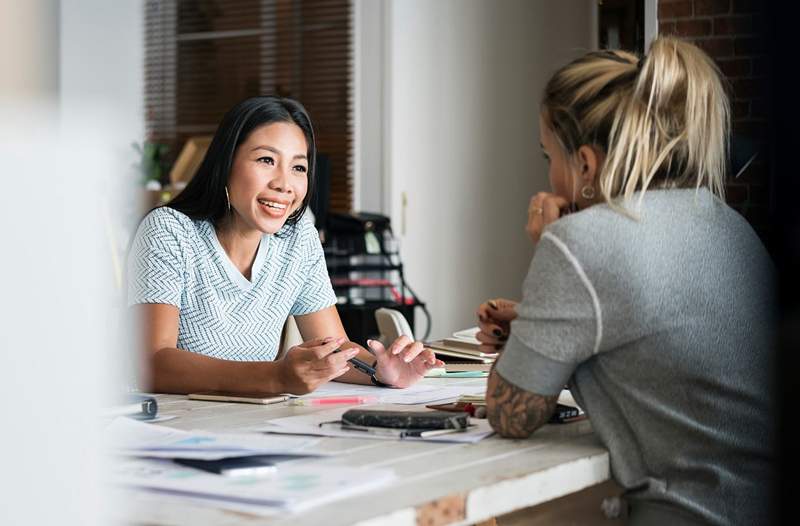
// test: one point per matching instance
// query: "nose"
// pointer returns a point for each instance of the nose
(280, 180)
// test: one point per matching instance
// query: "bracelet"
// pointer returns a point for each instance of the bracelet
(374, 379)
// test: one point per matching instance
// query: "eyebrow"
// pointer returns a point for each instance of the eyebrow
(275, 150)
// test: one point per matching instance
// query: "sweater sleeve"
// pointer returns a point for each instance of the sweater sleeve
(558, 325)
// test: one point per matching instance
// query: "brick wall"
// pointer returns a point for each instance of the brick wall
(732, 32)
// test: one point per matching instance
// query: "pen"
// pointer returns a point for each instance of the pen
(334, 400)
(401, 433)
(360, 365)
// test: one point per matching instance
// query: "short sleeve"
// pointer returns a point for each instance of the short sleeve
(156, 260)
(316, 292)
(558, 323)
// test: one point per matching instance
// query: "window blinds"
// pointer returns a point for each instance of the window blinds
(203, 56)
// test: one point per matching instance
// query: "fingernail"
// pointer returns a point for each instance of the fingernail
(407, 359)
(497, 332)
(327, 339)
(369, 343)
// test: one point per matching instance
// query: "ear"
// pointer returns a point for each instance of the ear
(589, 159)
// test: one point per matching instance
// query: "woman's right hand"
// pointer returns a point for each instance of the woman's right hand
(313, 363)
(494, 321)
(543, 209)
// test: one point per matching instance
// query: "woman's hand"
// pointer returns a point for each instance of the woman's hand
(543, 209)
(313, 363)
(494, 321)
(404, 363)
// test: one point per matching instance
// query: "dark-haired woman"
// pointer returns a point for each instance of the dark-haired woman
(215, 273)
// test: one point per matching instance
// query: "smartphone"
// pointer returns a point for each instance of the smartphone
(244, 398)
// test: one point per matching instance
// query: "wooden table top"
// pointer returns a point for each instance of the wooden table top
(437, 483)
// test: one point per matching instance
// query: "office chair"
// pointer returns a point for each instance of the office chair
(391, 325)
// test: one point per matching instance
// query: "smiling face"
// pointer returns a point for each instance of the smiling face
(269, 177)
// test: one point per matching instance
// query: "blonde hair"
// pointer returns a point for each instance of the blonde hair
(661, 120)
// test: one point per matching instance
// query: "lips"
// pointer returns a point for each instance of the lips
(273, 204)
(273, 208)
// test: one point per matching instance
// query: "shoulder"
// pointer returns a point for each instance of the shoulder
(301, 236)
(578, 235)
(167, 228)
(167, 219)
(604, 230)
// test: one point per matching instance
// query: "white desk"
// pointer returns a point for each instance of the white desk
(436, 483)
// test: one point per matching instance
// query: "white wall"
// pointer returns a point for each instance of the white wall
(465, 77)
(102, 71)
(57, 338)
(369, 66)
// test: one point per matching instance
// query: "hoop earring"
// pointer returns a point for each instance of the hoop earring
(587, 192)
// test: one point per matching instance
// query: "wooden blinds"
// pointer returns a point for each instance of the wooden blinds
(203, 56)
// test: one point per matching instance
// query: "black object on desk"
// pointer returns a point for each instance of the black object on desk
(140, 407)
(250, 465)
(406, 419)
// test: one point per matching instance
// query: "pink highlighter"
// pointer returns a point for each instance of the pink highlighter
(334, 400)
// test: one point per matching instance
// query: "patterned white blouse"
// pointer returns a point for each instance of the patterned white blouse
(178, 261)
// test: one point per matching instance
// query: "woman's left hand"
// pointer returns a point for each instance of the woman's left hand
(404, 363)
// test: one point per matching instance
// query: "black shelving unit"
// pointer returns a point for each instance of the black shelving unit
(366, 281)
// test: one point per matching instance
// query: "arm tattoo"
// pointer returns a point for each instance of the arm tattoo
(514, 412)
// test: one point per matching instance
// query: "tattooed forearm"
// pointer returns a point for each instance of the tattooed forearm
(515, 412)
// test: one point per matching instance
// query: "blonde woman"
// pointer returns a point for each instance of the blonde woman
(652, 301)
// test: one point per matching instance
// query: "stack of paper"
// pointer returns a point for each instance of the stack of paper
(462, 346)
(293, 487)
(133, 438)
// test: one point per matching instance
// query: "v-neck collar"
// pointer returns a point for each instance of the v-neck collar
(233, 273)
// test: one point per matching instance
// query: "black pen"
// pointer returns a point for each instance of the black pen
(360, 365)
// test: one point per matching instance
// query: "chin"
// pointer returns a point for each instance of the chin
(270, 225)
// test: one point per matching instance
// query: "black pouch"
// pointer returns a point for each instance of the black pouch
(406, 419)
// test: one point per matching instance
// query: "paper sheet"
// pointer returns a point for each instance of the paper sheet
(309, 424)
(293, 487)
(135, 438)
(416, 394)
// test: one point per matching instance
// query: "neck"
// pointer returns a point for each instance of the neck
(239, 241)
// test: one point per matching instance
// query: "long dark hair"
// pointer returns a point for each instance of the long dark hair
(204, 196)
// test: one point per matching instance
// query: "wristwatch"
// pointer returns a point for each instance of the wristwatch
(374, 379)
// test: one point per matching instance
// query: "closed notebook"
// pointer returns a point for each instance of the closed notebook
(245, 398)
